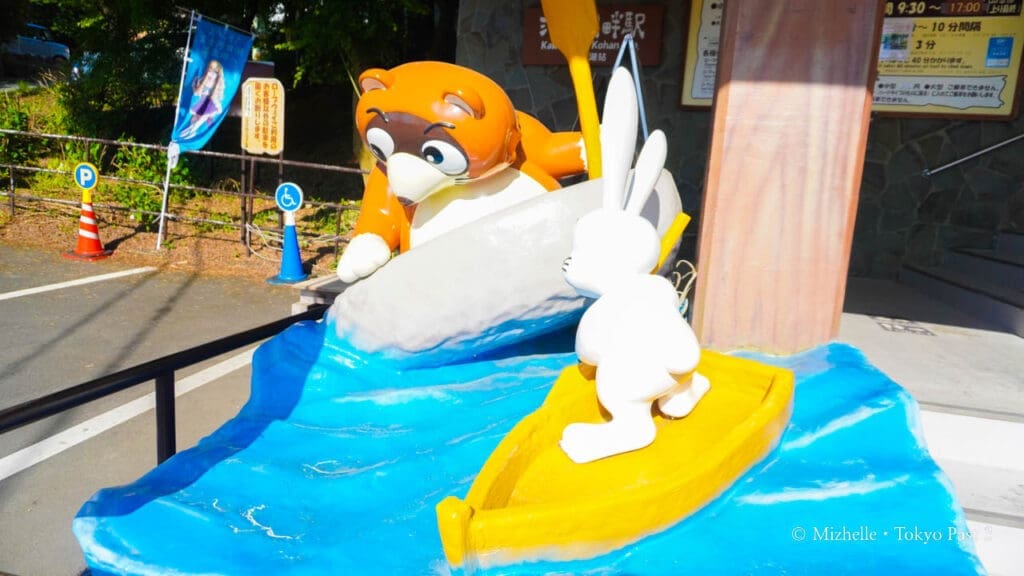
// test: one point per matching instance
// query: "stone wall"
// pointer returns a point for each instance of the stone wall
(902, 217)
(907, 217)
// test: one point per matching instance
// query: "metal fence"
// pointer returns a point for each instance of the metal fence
(247, 193)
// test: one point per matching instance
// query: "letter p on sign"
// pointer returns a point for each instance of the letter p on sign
(86, 176)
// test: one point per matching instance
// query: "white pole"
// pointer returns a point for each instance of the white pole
(181, 88)
(163, 206)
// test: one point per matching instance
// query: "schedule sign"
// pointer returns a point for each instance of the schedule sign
(950, 58)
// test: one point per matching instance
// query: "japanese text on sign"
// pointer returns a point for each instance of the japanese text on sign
(701, 58)
(263, 116)
(642, 21)
(950, 57)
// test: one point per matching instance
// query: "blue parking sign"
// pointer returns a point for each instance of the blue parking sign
(86, 176)
(288, 197)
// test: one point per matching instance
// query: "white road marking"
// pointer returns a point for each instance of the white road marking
(79, 282)
(49, 447)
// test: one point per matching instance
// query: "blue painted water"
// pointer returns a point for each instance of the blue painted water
(335, 464)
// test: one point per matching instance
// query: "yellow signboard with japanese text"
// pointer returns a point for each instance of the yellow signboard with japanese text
(263, 116)
(936, 58)
(950, 58)
(701, 55)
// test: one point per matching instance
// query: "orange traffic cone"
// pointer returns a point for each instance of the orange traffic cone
(89, 246)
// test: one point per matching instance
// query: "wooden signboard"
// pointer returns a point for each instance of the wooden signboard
(788, 135)
(263, 116)
(947, 58)
(643, 21)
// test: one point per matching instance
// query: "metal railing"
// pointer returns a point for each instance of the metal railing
(928, 173)
(247, 194)
(261, 159)
(161, 371)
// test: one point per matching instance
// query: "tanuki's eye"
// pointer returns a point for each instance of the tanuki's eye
(446, 157)
(380, 143)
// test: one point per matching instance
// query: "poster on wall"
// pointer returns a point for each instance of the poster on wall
(701, 53)
(950, 58)
(643, 21)
(936, 58)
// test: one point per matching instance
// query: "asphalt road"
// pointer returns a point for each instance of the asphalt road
(65, 336)
(58, 338)
(53, 337)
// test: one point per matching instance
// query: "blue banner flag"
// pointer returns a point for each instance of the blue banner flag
(216, 60)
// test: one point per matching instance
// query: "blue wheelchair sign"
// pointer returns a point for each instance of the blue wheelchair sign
(86, 176)
(288, 197)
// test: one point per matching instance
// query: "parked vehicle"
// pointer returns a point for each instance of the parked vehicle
(34, 47)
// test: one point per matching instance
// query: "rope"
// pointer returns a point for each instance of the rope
(689, 277)
(275, 240)
(630, 44)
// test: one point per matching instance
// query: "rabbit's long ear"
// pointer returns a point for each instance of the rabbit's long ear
(618, 137)
(648, 169)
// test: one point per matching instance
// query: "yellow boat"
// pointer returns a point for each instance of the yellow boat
(530, 502)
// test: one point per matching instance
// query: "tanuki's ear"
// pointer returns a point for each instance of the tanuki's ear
(468, 100)
(376, 79)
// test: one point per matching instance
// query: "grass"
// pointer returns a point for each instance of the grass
(55, 225)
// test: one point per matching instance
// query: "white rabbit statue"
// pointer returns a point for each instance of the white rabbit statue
(634, 334)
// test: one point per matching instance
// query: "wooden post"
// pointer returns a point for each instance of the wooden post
(245, 219)
(789, 130)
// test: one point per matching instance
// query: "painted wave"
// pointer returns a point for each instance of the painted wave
(335, 464)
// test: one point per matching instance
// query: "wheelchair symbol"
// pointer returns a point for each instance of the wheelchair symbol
(288, 197)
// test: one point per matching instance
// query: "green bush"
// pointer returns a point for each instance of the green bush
(325, 220)
(16, 149)
(64, 158)
(147, 165)
(130, 77)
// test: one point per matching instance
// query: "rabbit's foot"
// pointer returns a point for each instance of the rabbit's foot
(584, 443)
(684, 398)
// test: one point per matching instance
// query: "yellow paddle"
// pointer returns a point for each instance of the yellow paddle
(573, 25)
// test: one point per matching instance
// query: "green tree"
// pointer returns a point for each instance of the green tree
(15, 15)
(131, 48)
(136, 48)
(336, 39)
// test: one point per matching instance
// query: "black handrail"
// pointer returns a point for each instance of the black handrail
(161, 370)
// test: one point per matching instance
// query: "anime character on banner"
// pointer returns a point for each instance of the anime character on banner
(216, 57)
(207, 100)
(216, 60)
(450, 148)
